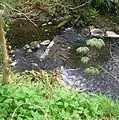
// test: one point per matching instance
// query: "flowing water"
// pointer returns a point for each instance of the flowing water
(65, 59)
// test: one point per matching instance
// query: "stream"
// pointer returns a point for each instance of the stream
(59, 52)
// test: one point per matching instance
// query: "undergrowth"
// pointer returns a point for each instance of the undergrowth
(43, 101)
(81, 12)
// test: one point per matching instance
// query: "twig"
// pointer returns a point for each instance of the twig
(76, 21)
(21, 13)
(108, 73)
(73, 8)
(112, 55)
(81, 5)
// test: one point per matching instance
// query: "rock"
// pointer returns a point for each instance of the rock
(14, 63)
(35, 64)
(11, 52)
(46, 42)
(85, 32)
(48, 50)
(54, 49)
(26, 47)
(49, 23)
(96, 32)
(69, 48)
(29, 50)
(34, 45)
(46, 30)
(111, 34)
(44, 24)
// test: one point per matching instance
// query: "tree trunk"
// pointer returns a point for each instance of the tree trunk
(5, 55)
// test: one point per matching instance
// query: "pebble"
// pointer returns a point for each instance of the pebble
(44, 24)
(13, 56)
(14, 63)
(29, 51)
(35, 64)
(26, 47)
(69, 48)
(46, 30)
(46, 42)
(49, 23)
(12, 51)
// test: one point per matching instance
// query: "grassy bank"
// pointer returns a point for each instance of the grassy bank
(46, 101)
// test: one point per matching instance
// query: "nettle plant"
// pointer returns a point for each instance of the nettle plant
(84, 51)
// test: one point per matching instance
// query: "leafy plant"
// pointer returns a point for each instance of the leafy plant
(94, 42)
(82, 49)
(85, 60)
(89, 15)
(105, 5)
(92, 71)
(31, 102)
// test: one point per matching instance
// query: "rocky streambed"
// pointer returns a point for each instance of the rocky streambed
(49, 50)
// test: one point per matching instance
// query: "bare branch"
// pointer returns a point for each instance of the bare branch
(9, 7)
(108, 73)
(73, 8)
(112, 55)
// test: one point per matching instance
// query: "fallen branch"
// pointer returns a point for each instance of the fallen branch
(73, 8)
(112, 55)
(9, 7)
(108, 73)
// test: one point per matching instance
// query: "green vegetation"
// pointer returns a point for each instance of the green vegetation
(94, 44)
(81, 12)
(91, 71)
(39, 100)
(111, 6)
(36, 96)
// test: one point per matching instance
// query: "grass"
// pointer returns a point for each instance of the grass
(45, 101)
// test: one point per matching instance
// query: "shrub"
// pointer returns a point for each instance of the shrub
(33, 102)
(106, 5)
